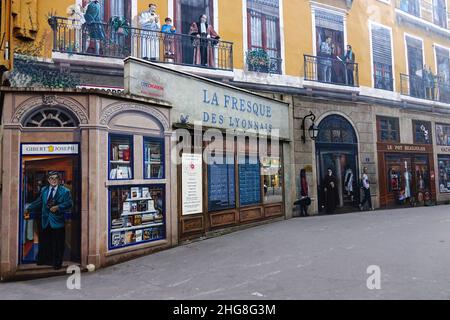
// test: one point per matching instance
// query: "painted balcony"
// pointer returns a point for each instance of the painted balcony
(330, 71)
(427, 88)
(73, 38)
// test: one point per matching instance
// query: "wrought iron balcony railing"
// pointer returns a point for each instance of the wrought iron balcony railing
(434, 11)
(333, 71)
(428, 87)
(104, 40)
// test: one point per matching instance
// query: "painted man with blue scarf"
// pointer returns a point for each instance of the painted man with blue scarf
(53, 202)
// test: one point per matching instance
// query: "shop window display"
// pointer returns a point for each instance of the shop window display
(249, 180)
(409, 178)
(153, 159)
(120, 157)
(137, 215)
(444, 174)
(443, 134)
(221, 185)
(272, 173)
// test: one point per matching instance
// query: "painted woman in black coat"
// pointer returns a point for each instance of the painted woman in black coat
(330, 191)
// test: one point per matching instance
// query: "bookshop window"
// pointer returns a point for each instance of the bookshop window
(388, 129)
(444, 174)
(443, 134)
(249, 180)
(137, 215)
(273, 179)
(153, 158)
(422, 132)
(120, 157)
(221, 184)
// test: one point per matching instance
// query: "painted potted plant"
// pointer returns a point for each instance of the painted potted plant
(258, 60)
(120, 25)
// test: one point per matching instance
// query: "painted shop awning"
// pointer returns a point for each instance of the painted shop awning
(197, 100)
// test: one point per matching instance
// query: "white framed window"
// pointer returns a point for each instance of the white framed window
(440, 15)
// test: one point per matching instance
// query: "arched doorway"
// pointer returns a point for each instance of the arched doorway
(337, 148)
(40, 157)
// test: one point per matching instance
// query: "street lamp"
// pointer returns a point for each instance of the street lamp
(313, 129)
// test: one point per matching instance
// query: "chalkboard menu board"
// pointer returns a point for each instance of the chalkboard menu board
(249, 181)
(221, 186)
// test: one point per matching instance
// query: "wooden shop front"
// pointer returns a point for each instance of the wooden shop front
(406, 174)
(237, 187)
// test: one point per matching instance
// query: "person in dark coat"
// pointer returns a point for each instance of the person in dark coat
(330, 191)
(53, 202)
(349, 60)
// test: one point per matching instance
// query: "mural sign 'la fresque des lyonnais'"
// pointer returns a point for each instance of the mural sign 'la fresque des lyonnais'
(197, 100)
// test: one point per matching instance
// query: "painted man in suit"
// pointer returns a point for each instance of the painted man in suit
(53, 202)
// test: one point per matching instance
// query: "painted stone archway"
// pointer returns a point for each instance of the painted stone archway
(337, 149)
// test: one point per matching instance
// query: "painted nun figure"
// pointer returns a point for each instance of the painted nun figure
(330, 191)
(94, 25)
(149, 21)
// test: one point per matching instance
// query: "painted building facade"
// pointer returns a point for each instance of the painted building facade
(386, 108)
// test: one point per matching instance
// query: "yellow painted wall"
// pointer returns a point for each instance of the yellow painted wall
(297, 31)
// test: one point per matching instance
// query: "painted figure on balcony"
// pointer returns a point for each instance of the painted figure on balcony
(349, 60)
(325, 61)
(75, 14)
(149, 21)
(94, 25)
(204, 45)
(169, 39)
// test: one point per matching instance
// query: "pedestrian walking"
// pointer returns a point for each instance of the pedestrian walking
(366, 189)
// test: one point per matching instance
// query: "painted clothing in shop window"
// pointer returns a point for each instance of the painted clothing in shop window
(407, 185)
(348, 181)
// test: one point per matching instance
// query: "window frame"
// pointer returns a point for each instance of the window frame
(264, 18)
(132, 159)
(150, 139)
(429, 127)
(373, 25)
(397, 123)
